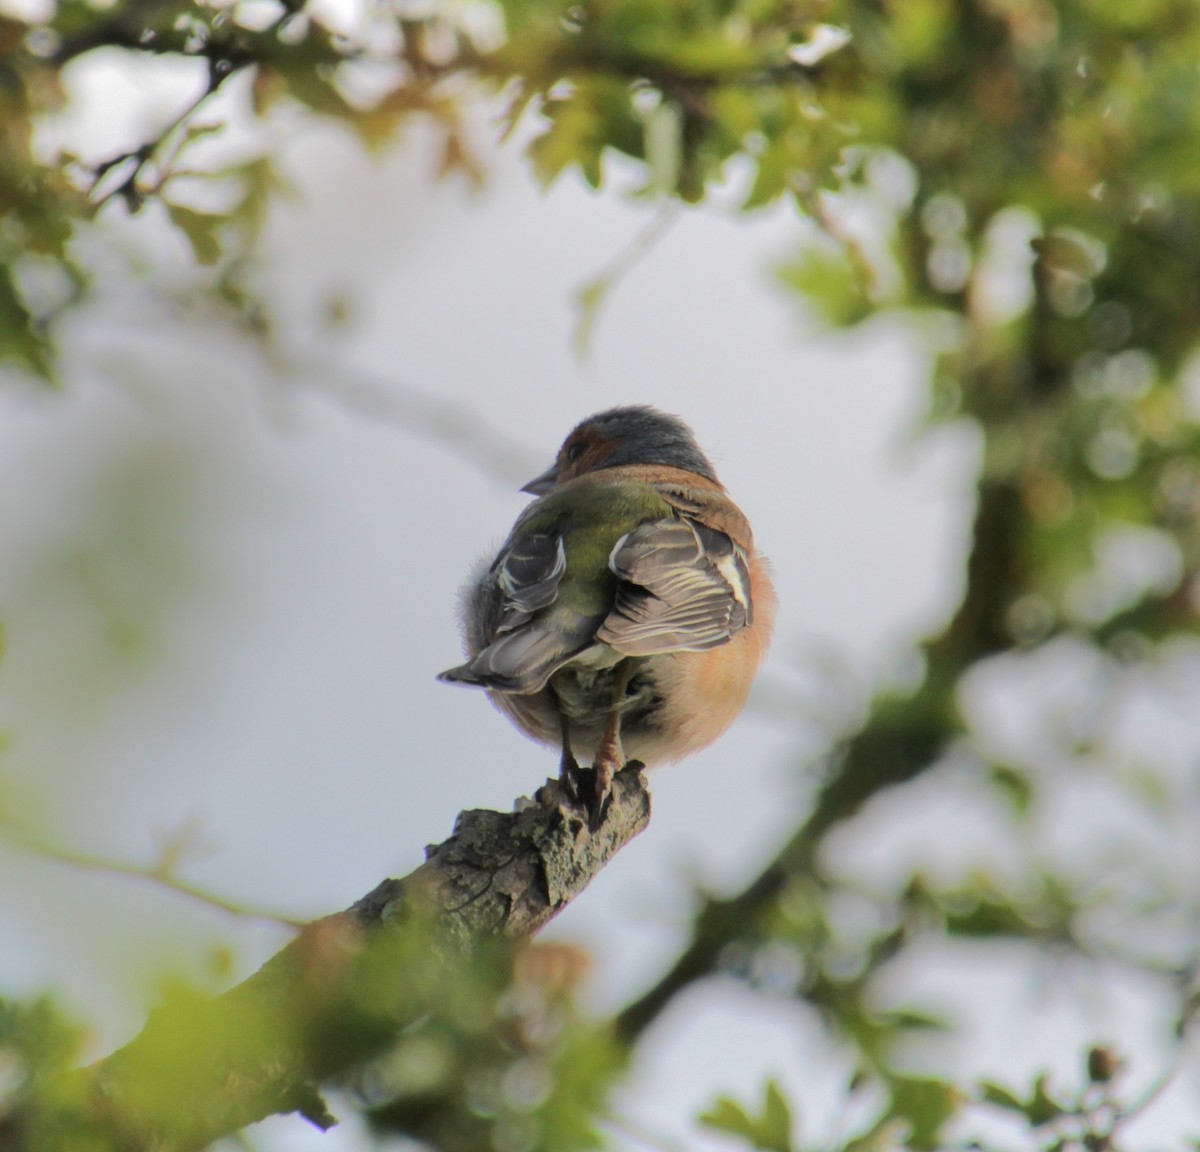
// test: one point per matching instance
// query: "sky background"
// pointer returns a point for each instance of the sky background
(227, 593)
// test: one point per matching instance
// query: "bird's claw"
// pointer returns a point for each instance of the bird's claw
(571, 776)
(590, 789)
(598, 809)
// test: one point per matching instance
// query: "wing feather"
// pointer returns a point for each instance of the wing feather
(683, 587)
(516, 652)
(528, 577)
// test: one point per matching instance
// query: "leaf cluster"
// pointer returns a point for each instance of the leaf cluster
(1028, 172)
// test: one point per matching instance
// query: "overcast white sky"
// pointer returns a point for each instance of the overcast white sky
(296, 562)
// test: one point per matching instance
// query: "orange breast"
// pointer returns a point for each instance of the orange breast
(704, 692)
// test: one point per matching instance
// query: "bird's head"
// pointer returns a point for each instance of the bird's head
(636, 435)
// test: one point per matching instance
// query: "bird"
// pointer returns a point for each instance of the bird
(627, 613)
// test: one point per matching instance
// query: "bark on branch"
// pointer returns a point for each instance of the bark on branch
(335, 996)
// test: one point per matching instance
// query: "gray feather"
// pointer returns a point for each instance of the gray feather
(519, 661)
(683, 588)
(511, 652)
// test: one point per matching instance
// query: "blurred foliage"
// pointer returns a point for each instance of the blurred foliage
(1019, 180)
(458, 1052)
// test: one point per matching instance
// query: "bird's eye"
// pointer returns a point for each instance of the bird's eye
(575, 451)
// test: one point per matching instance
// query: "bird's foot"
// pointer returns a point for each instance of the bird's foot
(590, 789)
(600, 800)
(599, 807)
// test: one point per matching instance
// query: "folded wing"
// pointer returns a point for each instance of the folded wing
(526, 643)
(683, 587)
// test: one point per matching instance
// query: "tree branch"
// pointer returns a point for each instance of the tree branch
(338, 994)
(898, 742)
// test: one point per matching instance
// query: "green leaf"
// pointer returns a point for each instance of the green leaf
(201, 230)
(786, 163)
(597, 114)
(1041, 1107)
(921, 29)
(833, 283)
(913, 1020)
(315, 89)
(984, 912)
(1000, 1097)
(20, 339)
(777, 1118)
(1014, 785)
(727, 1115)
(926, 1104)
(771, 1131)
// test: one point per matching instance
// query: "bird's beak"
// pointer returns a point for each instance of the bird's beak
(543, 483)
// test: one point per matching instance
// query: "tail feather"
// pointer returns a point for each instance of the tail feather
(518, 662)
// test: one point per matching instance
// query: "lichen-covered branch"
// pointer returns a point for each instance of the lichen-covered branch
(341, 991)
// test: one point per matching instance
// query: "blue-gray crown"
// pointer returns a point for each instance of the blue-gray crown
(644, 435)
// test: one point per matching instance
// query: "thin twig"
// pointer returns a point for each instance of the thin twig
(446, 424)
(450, 425)
(222, 64)
(127, 188)
(157, 874)
(591, 295)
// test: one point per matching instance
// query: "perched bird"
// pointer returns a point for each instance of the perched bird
(627, 612)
